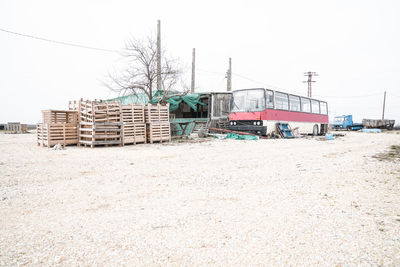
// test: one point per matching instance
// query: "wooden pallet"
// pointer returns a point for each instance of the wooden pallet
(73, 105)
(100, 122)
(133, 133)
(59, 116)
(99, 112)
(95, 134)
(132, 113)
(156, 113)
(158, 132)
(50, 134)
(200, 126)
(15, 128)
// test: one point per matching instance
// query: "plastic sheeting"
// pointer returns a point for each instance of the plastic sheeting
(173, 98)
(240, 137)
(132, 99)
(371, 130)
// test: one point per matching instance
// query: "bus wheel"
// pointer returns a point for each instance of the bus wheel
(315, 130)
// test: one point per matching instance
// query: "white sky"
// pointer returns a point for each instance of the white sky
(353, 45)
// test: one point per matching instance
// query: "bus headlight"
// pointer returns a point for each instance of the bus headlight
(259, 123)
(254, 123)
(234, 123)
(231, 122)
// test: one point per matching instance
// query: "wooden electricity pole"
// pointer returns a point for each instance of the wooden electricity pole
(229, 77)
(158, 55)
(193, 70)
(309, 81)
(384, 102)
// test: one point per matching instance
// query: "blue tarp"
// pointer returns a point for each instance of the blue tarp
(371, 130)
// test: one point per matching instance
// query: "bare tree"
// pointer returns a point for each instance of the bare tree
(140, 76)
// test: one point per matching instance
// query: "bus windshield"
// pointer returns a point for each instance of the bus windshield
(248, 100)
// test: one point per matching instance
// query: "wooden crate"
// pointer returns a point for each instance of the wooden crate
(100, 122)
(99, 112)
(15, 128)
(133, 133)
(132, 113)
(73, 105)
(158, 132)
(95, 134)
(50, 134)
(96, 111)
(156, 113)
(59, 116)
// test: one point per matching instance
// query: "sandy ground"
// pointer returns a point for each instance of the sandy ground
(221, 202)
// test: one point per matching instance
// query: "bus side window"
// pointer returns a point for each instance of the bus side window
(324, 108)
(282, 101)
(305, 105)
(294, 103)
(270, 99)
(315, 106)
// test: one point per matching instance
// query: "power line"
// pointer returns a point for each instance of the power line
(211, 72)
(282, 89)
(60, 42)
(270, 86)
(355, 96)
(393, 94)
(249, 79)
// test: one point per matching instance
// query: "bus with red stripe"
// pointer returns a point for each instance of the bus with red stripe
(258, 110)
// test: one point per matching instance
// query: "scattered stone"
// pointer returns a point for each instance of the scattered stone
(58, 147)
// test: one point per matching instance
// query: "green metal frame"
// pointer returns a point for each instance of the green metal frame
(177, 123)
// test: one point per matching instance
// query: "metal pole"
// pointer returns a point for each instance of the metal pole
(384, 102)
(158, 55)
(309, 81)
(193, 70)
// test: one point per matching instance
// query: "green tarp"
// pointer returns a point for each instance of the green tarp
(173, 98)
(132, 99)
(240, 137)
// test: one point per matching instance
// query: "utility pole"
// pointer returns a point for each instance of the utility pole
(229, 77)
(193, 70)
(309, 74)
(158, 55)
(384, 102)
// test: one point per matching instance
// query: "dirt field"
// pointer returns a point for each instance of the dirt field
(221, 202)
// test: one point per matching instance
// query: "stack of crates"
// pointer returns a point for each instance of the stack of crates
(58, 127)
(157, 123)
(99, 123)
(133, 124)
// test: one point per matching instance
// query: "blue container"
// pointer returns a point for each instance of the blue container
(329, 136)
(371, 130)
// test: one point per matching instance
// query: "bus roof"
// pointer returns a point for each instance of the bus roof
(279, 92)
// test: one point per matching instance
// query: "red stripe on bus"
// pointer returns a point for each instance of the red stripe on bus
(280, 115)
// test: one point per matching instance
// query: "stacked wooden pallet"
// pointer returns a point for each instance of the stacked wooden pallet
(157, 123)
(133, 124)
(15, 128)
(99, 123)
(58, 127)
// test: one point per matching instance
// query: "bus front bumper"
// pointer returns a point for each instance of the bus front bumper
(249, 128)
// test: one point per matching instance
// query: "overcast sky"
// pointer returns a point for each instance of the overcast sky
(353, 45)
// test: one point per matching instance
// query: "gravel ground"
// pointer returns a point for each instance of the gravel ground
(221, 202)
